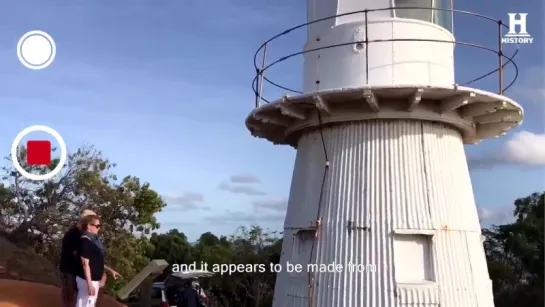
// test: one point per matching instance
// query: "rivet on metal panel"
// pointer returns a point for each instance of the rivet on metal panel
(358, 40)
(358, 47)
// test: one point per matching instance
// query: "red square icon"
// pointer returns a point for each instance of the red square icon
(38, 152)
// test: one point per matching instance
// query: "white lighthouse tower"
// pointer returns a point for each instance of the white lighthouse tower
(381, 187)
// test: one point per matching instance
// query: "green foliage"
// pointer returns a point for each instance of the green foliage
(515, 255)
(251, 245)
(36, 214)
(172, 247)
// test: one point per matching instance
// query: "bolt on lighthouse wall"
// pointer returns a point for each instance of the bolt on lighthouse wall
(390, 63)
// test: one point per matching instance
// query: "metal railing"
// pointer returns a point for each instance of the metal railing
(260, 79)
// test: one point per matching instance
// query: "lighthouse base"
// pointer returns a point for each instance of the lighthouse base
(396, 211)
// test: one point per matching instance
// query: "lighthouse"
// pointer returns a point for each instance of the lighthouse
(381, 211)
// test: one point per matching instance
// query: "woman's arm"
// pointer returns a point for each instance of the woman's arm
(86, 269)
(108, 269)
(112, 272)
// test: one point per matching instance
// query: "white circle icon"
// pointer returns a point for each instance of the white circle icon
(36, 50)
(19, 138)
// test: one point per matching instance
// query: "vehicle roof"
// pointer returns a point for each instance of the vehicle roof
(192, 274)
(184, 275)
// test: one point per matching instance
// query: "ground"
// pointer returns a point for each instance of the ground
(28, 280)
(21, 264)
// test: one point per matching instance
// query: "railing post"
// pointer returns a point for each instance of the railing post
(261, 76)
(366, 12)
(144, 278)
(500, 57)
(256, 88)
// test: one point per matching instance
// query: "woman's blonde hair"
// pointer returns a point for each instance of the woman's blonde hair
(87, 220)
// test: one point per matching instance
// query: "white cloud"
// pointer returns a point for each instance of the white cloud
(271, 204)
(241, 189)
(265, 210)
(523, 149)
(498, 215)
(243, 183)
(186, 202)
(244, 178)
(242, 216)
(526, 148)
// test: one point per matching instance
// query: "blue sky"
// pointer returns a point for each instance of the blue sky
(163, 88)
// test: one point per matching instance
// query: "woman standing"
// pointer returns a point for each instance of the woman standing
(70, 262)
(92, 258)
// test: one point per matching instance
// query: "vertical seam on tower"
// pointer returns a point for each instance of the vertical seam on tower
(314, 17)
(392, 44)
(318, 222)
(424, 164)
(475, 289)
(317, 54)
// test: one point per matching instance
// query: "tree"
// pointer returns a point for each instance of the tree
(37, 213)
(515, 255)
(172, 247)
(251, 245)
(254, 246)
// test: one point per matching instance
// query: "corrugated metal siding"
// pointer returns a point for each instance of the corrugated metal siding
(453, 269)
(282, 279)
(452, 193)
(417, 296)
(385, 175)
(306, 181)
(483, 284)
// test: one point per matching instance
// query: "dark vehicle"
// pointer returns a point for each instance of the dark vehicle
(162, 292)
(158, 297)
(176, 282)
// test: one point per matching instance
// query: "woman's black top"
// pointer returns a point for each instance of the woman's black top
(89, 250)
